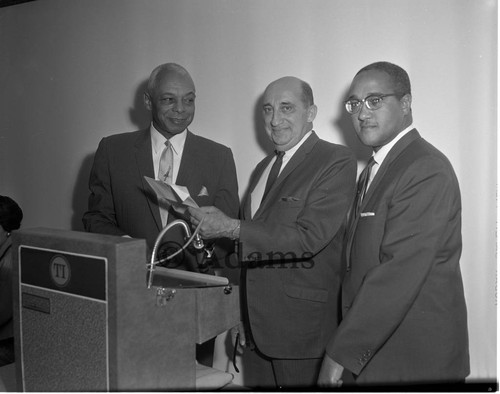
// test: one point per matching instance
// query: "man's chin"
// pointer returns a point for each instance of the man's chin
(174, 128)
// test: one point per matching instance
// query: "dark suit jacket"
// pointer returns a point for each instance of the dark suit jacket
(405, 316)
(293, 249)
(121, 201)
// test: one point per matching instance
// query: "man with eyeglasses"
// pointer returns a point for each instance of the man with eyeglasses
(404, 313)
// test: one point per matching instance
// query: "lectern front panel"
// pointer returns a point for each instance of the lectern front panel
(85, 320)
(63, 307)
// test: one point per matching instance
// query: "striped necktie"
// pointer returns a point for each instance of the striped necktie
(363, 185)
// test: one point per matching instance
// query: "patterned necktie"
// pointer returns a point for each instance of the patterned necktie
(166, 166)
(362, 186)
(273, 174)
(165, 171)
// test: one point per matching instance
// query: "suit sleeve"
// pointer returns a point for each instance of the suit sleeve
(101, 216)
(319, 217)
(424, 201)
(227, 198)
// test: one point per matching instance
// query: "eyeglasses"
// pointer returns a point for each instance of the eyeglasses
(372, 102)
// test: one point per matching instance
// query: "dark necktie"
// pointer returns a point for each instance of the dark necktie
(356, 208)
(273, 174)
(362, 186)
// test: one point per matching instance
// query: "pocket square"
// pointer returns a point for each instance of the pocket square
(291, 198)
(365, 214)
(203, 192)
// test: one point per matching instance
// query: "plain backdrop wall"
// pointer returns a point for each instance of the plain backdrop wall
(72, 72)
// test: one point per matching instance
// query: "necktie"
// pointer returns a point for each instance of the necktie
(166, 166)
(362, 186)
(273, 174)
(165, 171)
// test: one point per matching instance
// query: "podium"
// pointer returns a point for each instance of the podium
(85, 320)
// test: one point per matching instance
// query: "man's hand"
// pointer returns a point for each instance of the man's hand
(215, 224)
(330, 373)
(238, 330)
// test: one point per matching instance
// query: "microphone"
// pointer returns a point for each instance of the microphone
(199, 249)
(195, 239)
(198, 242)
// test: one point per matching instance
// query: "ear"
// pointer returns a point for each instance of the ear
(311, 113)
(147, 101)
(406, 104)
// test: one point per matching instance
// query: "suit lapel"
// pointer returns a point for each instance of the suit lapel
(396, 150)
(292, 164)
(296, 159)
(188, 160)
(256, 175)
(144, 160)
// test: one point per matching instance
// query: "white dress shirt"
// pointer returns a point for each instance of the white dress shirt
(158, 144)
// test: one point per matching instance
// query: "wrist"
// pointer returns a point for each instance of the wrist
(235, 232)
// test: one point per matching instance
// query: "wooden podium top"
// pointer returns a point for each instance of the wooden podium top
(174, 278)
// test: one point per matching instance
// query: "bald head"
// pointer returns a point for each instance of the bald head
(302, 88)
(168, 70)
(288, 111)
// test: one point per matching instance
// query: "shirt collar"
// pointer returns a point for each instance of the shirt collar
(381, 154)
(158, 141)
(290, 152)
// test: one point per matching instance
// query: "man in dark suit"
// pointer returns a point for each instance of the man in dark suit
(290, 237)
(404, 313)
(121, 202)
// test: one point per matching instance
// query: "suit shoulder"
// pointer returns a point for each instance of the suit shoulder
(340, 151)
(129, 136)
(422, 151)
(209, 144)
(421, 160)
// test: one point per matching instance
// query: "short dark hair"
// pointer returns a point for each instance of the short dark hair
(398, 75)
(10, 214)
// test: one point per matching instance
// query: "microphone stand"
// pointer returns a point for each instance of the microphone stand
(198, 244)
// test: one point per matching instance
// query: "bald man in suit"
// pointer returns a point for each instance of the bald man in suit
(290, 236)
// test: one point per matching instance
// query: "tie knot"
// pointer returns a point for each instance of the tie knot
(371, 162)
(168, 144)
(279, 153)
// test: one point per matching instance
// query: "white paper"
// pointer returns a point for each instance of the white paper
(173, 195)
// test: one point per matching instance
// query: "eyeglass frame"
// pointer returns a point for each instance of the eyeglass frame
(364, 102)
